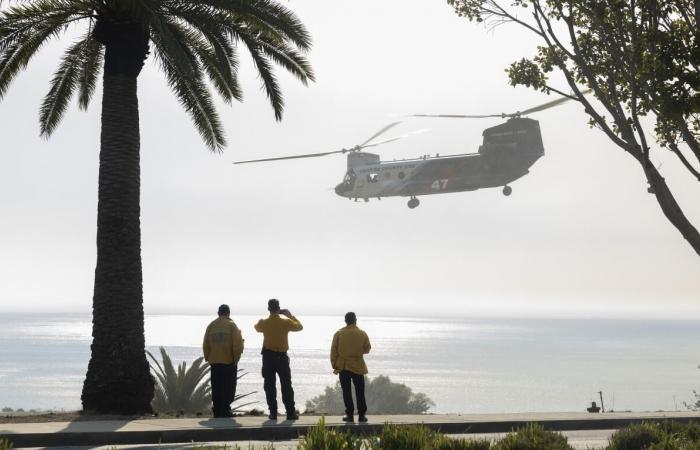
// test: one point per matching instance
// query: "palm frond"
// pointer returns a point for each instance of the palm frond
(218, 69)
(89, 71)
(63, 84)
(17, 56)
(184, 76)
(291, 60)
(267, 14)
(25, 20)
(269, 81)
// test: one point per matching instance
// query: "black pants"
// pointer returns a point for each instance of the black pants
(273, 364)
(223, 387)
(347, 377)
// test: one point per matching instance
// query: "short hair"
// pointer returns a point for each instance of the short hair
(350, 318)
(224, 310)
(273, 305)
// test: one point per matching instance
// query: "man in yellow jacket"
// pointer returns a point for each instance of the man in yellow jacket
(349, 345)
(223, 346)
(274, 357)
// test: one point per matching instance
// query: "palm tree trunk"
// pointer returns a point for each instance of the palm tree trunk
(118, 378)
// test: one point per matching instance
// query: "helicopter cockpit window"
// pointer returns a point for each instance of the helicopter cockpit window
(372, 177)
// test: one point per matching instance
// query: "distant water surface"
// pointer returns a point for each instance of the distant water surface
(464, 365)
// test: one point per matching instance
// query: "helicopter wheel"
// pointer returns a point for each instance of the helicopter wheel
(413, 203)
(507, 190)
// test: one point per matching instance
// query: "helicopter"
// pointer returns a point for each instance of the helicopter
(506, 154)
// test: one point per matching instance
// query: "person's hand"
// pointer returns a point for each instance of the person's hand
(286, 312)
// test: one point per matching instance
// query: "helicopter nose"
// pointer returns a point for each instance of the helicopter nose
(340, 189)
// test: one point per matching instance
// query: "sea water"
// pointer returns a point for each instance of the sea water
(464, 365)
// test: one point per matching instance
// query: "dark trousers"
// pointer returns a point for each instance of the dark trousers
(274, 364)
(346, 378)
(223, 387)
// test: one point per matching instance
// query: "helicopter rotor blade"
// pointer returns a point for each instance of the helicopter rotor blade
(308, 155)
(534, 109)
(380, 132)
(457, 116)
(366, 144)
(548, 105)
(395, 138)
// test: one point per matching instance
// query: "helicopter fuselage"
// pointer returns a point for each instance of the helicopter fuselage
(507, 153)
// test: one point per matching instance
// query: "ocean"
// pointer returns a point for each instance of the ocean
(477, 365)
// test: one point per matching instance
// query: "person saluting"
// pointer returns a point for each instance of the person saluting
(223, 346)
(349, 345)
(275, 361)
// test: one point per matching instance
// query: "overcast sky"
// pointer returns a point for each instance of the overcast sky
(579, 235)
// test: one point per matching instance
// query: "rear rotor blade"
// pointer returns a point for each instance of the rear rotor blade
(548, 105)
(308, 155)
(537, 108)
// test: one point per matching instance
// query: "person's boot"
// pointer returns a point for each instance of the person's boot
(272, 415)
(362, 418)
(292, 415)
(348, 418)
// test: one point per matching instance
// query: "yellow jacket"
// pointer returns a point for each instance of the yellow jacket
(223, 342)
(275, 330)
(349, 344)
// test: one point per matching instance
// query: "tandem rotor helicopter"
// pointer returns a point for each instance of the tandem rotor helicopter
(506, 154)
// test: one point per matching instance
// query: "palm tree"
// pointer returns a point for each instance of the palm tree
(191, 41)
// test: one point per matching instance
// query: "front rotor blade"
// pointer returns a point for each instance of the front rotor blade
(457, 116)
(380, 132)
(308, 155)
(395, 138)
(548, 105)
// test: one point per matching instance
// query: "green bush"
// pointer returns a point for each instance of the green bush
(533, 437)
(322, 438)
(656, 436)
(420, 437)
(383, 397)
(185, 390)
(5, 444)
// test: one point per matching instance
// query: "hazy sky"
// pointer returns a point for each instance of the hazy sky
(579, 235)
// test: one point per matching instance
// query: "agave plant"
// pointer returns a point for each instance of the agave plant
(185, 390)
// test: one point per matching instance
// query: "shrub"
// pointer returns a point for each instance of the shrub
(185, 390)
(322, 438)
(383, 397)
(533, 437)
(420, 437)
(7, 409)
(5, 444)
(656, 436)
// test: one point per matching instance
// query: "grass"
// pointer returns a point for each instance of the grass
(5, 444)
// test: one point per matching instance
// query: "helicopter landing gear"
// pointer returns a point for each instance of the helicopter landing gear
(507, 190)
(413, 203)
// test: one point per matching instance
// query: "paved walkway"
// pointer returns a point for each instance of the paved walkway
(164, 431)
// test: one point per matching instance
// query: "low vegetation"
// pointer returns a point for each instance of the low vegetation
(645, 436)
(532, 437)
(383, 397)
(694, 404)
(185, 390)
(5, 444)
(657, 436)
